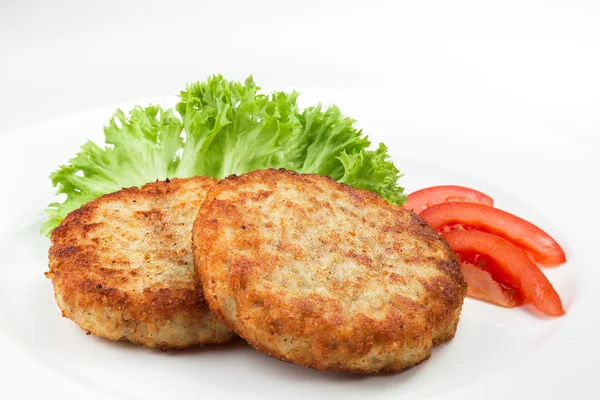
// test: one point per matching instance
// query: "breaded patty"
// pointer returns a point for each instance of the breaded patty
(122, 267)
(323, 275)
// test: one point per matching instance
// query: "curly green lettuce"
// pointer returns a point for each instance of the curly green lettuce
(219, 128)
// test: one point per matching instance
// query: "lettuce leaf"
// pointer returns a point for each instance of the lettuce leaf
(231, 129)
(221, 128)
(141, 148)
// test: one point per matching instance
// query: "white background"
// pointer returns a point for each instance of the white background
(539, 59)
(535, 61)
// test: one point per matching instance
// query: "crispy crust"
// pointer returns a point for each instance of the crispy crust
(122, 267)
(324, 275)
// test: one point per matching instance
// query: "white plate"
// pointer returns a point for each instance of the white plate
(539, 175)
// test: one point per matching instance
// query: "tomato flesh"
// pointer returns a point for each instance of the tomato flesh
(542, 248)
(506, 262)
(424, 198)
(482, 286)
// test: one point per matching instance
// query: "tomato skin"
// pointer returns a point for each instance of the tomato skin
(421, 199)
(513, 264)
(482, 286)
(538, 244)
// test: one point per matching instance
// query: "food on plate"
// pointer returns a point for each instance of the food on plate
(302, 248)
(220, 128)
(324, 275)
(508, 265)
(421, 199)
(122, 267)
(543, 249)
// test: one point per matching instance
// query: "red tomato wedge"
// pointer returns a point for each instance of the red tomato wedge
(421, 199)
(538, 244)
(481, 286)
(507, 263)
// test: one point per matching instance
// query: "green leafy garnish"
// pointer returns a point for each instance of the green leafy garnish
(221, 128)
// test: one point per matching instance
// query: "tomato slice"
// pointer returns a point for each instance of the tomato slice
(482, 286)
(421, 199)
(538, 244)
(508, 263)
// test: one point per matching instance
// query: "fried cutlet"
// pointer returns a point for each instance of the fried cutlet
(122, 267)
(323, 275)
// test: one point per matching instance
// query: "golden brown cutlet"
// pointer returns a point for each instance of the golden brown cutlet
(122, 267)
(323, 275)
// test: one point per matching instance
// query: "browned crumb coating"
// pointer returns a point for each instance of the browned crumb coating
(324, 275)
(122, 267)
